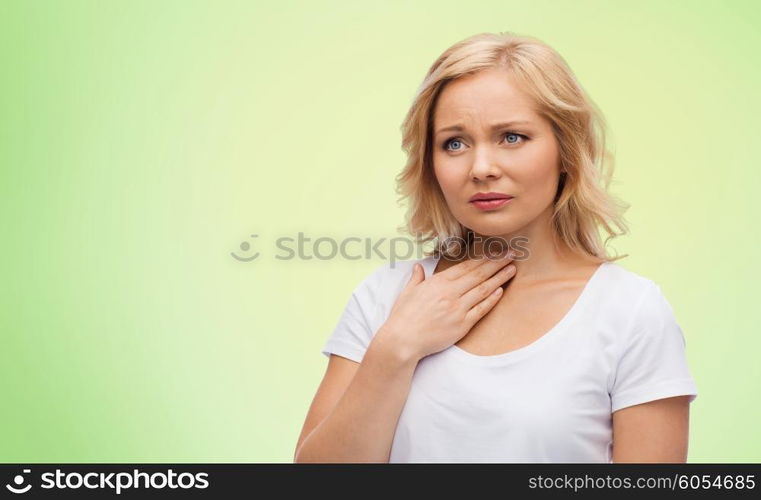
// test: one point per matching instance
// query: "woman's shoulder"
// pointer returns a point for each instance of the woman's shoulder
(391, 276)
(621, 282)
(637, 297)
(382, 286)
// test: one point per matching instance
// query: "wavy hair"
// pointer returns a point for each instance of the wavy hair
(582, 205)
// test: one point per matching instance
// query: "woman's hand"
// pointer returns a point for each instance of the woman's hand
(432, 314)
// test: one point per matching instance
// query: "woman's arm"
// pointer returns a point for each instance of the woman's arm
(360, 426)
(656, 431)
(428, 316)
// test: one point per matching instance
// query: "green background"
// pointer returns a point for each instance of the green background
(142, 142)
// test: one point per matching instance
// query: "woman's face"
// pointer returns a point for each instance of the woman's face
(485, 155)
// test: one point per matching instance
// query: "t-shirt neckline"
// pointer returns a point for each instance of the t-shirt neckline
(429, 265)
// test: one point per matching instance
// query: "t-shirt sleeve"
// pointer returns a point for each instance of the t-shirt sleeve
(653, 364)
(358, 320)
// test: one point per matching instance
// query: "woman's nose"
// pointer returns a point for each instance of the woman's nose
(484, 165)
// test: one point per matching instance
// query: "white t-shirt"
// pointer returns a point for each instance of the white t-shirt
(550, 401)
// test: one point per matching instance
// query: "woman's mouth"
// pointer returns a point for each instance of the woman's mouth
(491, 204)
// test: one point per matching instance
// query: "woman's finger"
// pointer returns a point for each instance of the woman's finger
(479, 274)
(479, 310)
(482, 291)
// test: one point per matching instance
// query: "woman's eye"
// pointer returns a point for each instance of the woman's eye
(450, 142)
(513, 134)
(510, 138)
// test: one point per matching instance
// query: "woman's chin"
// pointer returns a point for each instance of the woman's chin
(493, 228)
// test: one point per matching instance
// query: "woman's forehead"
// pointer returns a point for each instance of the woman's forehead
(488, 97)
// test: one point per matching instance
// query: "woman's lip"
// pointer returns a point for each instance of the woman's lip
(491, 204)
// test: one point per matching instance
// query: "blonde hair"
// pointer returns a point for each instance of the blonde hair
(581, 205)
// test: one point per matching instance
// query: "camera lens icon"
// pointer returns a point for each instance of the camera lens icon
(18, 481)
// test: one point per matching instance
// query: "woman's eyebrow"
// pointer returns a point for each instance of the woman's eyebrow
(460, 128)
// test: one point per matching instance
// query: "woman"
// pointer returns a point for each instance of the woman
(551, 353)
